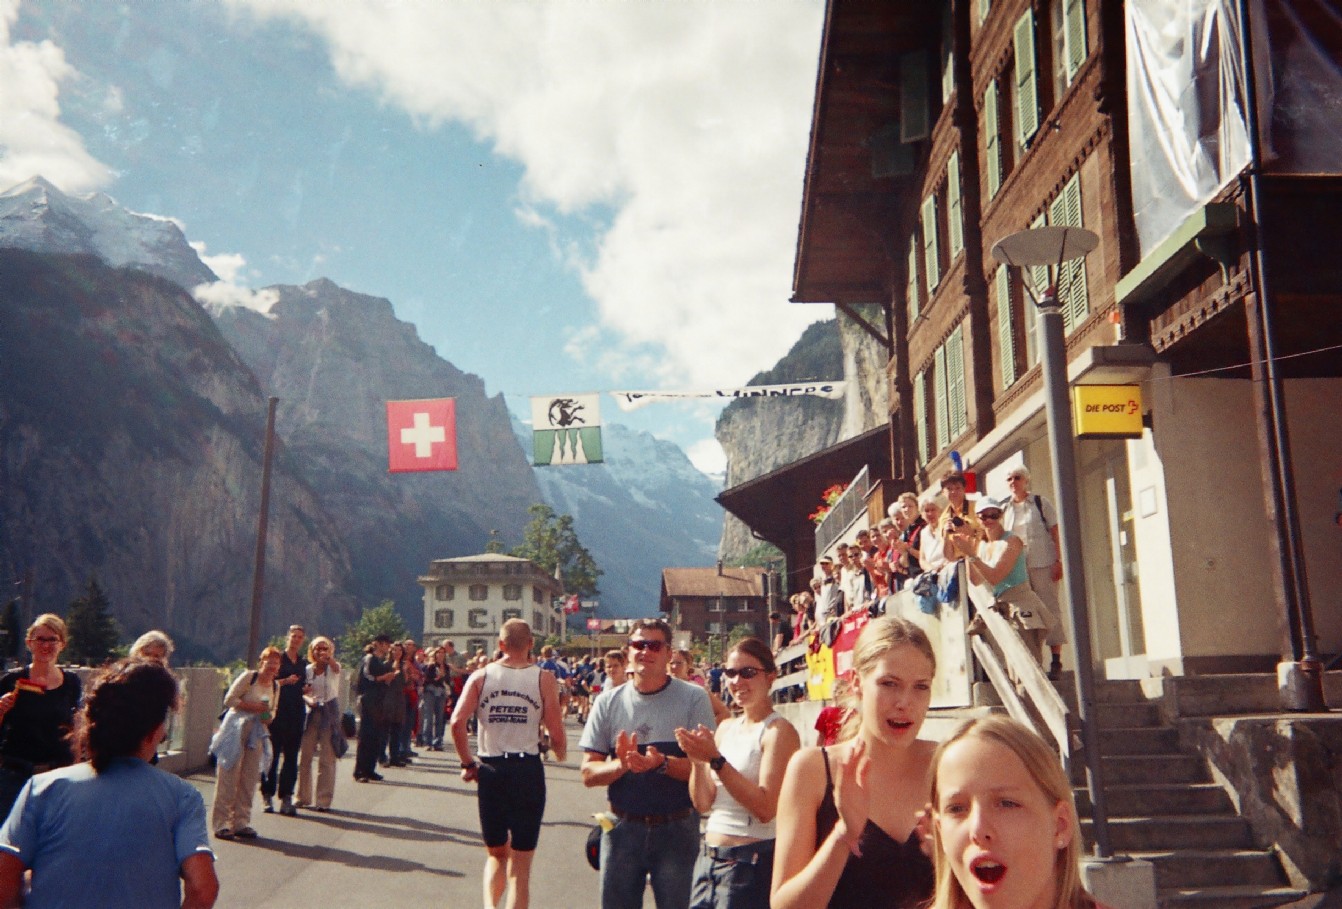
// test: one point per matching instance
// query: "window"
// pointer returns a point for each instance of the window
(511, 614)
(714, 627)
(992, 146)
(915, 117)
(920, 416)
(538, 622)
(442, 618)
(744, 606)
(1068, 18)
(1072, 294)
(947, 54)
(1039, 283)
(931, 259)
(948, 392)
(512, 591)
(1006, 325)
(1026, 109)
(537, 595)
(954, 224)
(479, 592)
(475, 644)
(912, 290)
(715, 605)
(478, 618)
(445, 592)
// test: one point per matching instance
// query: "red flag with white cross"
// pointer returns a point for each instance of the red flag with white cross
(421, 435)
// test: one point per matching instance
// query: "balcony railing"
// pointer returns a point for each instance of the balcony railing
(844, 512)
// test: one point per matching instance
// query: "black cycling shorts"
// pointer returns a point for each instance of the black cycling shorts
(512, 801)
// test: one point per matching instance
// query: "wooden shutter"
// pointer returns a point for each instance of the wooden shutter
(931, 261)
(1027, 86)
(1006, 326)
(1078, 297)
(1074, 37)
(939, 400)
(956, 401)
(954, 224)
(992, 126)
(912, 289)
(1030, 324)
(915, 110)
(920, 416)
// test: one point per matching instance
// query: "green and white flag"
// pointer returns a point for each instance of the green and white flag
(567, 429)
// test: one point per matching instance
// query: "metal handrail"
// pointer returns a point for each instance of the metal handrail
(844, 512)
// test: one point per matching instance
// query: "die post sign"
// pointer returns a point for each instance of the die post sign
(1107, 411)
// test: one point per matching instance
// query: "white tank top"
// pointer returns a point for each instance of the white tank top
(509, 712)
(741, 745)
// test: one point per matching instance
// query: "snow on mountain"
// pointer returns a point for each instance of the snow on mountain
(646, 508)
(37, 216)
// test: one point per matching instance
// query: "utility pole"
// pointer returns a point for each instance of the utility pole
(259, 571)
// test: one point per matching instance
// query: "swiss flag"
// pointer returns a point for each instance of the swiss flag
(572, 604)
(421, 435)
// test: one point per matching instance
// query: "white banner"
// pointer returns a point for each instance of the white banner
(632, 400)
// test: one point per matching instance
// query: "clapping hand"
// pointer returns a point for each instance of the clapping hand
(698, 743)
(634, 761)
(851, 799)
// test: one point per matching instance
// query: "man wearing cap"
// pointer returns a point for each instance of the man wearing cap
(511, 700)
(958, 511)
(629, 745)
(1034, 520)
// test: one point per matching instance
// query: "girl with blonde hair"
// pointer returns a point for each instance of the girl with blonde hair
(849, 829)
(1004, 827)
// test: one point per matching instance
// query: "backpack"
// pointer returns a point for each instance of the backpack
(1039, 504)
(250, 683)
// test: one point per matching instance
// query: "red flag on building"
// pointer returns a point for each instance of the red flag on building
(572, 604)
(421, 435)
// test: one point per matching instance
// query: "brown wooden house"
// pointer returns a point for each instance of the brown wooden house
(711, 602)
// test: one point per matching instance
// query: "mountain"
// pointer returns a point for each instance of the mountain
(37, 216)
(334, 357)
(646, 508)
(131, 440)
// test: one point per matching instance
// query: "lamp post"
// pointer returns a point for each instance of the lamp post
(1052, 246)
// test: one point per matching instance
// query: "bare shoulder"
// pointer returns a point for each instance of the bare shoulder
(807, 770)
(781, 732)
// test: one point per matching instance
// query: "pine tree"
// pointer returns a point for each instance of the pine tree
(93, 633)
(550, 540)
(380, 619)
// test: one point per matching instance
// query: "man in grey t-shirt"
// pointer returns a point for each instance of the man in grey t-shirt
(1033, 519)
(629, 745)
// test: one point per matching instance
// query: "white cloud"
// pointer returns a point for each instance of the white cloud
(686, 123)
(708, 456)
(227, 291)
(33, 141)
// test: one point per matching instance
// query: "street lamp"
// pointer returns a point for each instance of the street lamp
(1052, 246)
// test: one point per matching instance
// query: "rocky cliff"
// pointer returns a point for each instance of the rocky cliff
(334, 357)
(131, 439)
(763, 434)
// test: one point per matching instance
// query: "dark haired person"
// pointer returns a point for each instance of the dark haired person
(657, 831)
(113, 831)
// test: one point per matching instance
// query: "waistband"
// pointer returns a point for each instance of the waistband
(653, 820)
(747, 852)
(511, 756)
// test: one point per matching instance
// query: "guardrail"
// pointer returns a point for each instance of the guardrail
(844, 512)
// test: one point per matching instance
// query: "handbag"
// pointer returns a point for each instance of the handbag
(592, 848)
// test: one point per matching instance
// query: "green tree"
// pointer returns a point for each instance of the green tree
(93, 633)
(550, 541)
(762, 555)
(380, 619)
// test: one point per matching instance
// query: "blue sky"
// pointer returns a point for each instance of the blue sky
(562, 196)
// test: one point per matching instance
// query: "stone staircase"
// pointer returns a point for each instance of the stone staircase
(1164, 807)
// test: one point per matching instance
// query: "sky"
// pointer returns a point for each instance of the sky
(562, 195)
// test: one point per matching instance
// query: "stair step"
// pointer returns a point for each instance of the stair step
(1197, 868)
(1175, 832)
(1139, 740)
(1127, 715)
(1146, 799)
(1246, 897)
(1146, 768)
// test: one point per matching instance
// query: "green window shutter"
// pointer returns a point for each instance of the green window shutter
(1074, 37)
(954, 224)
(1078, 296)
(915, 116)
(939, 400)
(1030, 324)
(956, 401)
(920, 416)
(1006, 327)
(1027, 86)
(992, 126)
(931, 263)
(912, 289)
(1057, 216)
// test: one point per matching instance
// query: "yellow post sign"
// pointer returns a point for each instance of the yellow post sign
(1107, 411)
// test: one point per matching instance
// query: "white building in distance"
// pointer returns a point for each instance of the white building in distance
(467, 600)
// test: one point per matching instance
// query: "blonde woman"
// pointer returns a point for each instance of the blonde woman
(37, 711)
(849, 831)
(152, 647)
(240, 744)
(1004, 827)
(322, 734)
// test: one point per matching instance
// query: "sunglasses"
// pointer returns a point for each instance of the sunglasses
(746, 672)
(990, 515)
(652, 646)
(36, 640)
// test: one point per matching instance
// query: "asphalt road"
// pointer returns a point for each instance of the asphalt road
(413, 839)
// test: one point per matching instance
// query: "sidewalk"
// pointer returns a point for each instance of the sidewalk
(413, 839)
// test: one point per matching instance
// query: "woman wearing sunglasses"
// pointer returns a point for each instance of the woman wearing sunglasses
(37, 711)
(735, 778)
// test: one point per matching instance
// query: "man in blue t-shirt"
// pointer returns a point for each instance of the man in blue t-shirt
(629, 745)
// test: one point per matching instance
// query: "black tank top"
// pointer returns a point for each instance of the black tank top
(888, 874)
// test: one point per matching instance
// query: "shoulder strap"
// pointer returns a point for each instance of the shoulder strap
(829, 780)
(1039, 503)
(252, 681)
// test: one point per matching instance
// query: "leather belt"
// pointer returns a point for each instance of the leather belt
(653, 820)
(510, 756)
(746, 852)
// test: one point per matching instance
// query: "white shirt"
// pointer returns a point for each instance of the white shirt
(325, 687)
(1023, 520)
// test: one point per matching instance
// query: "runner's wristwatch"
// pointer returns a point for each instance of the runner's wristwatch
(471, 766)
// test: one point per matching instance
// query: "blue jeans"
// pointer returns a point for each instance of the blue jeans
(736, 877)
(432, 720)
(632, 851)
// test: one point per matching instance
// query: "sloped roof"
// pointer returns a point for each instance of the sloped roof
(706, 582)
